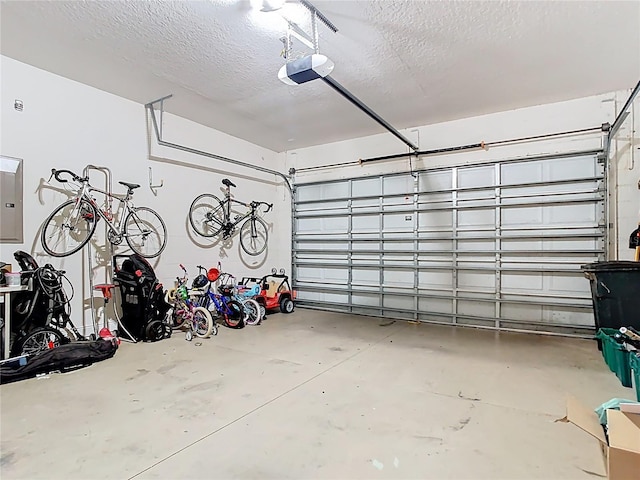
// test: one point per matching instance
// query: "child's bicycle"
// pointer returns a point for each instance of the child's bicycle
(187, 312)
(228, 288)
(221, 305)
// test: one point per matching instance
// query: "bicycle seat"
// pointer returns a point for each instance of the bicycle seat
(130, 186)
(227, 182)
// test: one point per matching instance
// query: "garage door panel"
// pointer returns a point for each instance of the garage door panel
(437, 220)
(327, 246)
(366, 187)
(368, 300)
(521, 173)
(365, 276)
(477, 218)
(397, 278)
(397, 185)
(436, 305)
(522, 216)
(476, 177)
(498, 245)
(571, 214)
(435, 279)
(522, 282)
(570, 168)
(567, 284)
(425, 245)
(398, 221)
(365, 223)
(476, 309)
(477, 245)
(435, 200)
(335, 298)
(477, 280)
(430, 181)
(397, 302)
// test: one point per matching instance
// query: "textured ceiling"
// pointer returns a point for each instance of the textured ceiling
(413, 62)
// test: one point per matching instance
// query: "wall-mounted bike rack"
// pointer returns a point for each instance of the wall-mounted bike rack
(153, 187)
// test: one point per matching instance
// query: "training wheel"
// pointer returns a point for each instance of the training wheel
(188, 336)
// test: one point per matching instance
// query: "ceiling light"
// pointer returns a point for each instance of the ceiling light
(272, 5)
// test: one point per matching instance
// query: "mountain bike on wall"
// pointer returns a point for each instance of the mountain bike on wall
(209, 216)
(72, 224)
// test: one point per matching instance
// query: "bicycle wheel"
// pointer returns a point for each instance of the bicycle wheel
(254, 235)
(234, 314)
(206, 215)
(68, 228)
(175, 317)
(252, 312)
(37, 341)
(145, 232)
(202, 322)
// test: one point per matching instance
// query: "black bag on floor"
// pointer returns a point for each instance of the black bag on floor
(142, 299)
(60, 359)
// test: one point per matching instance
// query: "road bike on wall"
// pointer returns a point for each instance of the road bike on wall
(209, 216)
(72, 224)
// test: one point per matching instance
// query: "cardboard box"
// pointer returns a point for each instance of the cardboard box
(621, 453)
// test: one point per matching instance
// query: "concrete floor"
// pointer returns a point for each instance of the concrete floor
(314, 395)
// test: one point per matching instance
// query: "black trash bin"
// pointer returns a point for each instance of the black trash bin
(615, 290)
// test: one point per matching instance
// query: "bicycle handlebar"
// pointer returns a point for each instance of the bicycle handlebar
(255, 205)
(56, 173)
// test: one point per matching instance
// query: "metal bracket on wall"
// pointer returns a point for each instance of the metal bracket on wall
(157, 128)
(153, 187)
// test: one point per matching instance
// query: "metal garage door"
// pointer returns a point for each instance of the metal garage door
(496, 245)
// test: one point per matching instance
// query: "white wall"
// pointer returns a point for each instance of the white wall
(66, 124)
(539, 120)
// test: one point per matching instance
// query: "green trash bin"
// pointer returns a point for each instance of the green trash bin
(634, 361)
(615, 355)
(615, 291)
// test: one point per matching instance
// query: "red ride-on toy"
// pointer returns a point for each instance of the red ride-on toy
(275, 291)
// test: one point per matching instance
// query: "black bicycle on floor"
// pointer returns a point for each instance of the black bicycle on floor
(209, 216)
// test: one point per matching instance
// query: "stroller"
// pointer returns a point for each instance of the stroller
(144, 310)
(41, 317)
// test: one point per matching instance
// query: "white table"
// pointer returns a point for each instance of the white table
(5, 294)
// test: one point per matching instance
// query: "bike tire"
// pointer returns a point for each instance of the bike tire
(202, 322)
(253, 239)
(235, 319)
(176, 320)
(53, 236)
(37, 341)
(252, 312)
(206, 215)
(145, 224)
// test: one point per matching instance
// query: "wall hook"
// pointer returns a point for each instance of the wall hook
(151, 185)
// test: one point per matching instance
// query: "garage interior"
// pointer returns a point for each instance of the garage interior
(433, 180)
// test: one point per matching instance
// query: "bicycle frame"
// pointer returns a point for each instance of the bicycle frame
(229, 226)
(107, 215)
(219, 302)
